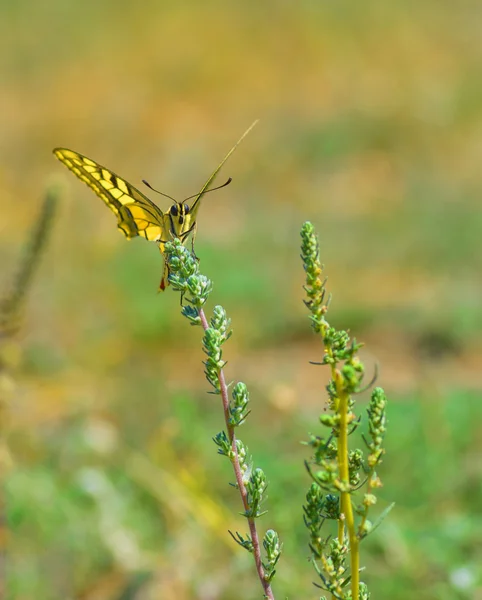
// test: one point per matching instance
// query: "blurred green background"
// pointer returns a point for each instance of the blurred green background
(370, 127)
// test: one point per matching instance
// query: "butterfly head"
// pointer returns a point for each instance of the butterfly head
(179, 211)
(180, 220)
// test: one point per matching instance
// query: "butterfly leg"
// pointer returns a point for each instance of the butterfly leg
(194, 231)
(165, 277)
(183, 237)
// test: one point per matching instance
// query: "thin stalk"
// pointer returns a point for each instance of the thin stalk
(239, 477)
(345, 501)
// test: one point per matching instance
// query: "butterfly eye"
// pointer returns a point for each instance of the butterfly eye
(186, 209)
(174, 210)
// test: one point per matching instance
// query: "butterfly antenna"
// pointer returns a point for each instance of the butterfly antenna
(211, 190)
(157, 191)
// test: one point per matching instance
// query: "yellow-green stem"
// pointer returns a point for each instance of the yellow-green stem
(345, 501)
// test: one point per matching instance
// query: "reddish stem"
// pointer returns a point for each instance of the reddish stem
(239, 476)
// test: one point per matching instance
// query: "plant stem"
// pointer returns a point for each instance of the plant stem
(239, 476)
(345, 502)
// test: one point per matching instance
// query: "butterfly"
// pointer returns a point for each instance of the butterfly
(136, 214)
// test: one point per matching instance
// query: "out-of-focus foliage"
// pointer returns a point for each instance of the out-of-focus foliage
(370, 127)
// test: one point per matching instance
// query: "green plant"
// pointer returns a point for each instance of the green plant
(338, 472)
(251, 482)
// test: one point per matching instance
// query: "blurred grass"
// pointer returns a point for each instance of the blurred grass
(61, 498)
(370, 127)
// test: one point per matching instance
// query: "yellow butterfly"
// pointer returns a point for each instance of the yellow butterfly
(136, 214)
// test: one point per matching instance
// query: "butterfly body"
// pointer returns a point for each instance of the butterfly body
(136, 214)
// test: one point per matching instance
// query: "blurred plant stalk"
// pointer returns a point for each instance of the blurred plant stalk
(12, 307)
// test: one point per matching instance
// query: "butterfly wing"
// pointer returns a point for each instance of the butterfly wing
(195, 205)
(136, 214)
